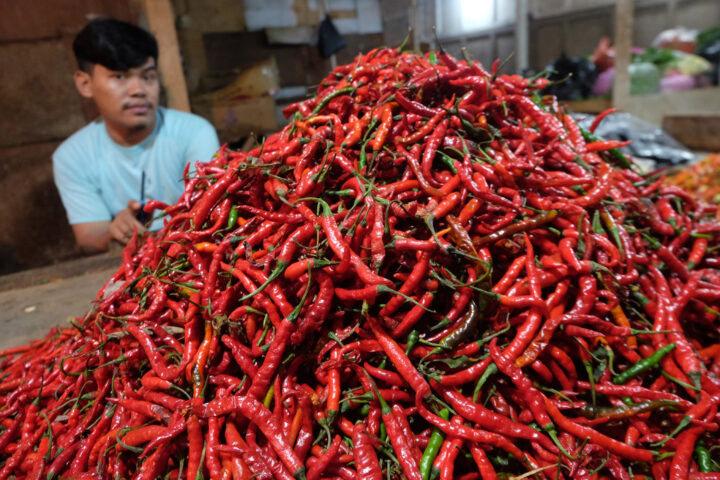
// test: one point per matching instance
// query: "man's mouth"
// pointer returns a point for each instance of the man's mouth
(139, 109)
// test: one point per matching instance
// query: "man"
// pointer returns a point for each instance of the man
(136, 151)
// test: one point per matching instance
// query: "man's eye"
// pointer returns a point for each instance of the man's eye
(118, 76)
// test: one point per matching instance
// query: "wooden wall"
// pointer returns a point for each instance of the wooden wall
(217, 45)
(40, 108)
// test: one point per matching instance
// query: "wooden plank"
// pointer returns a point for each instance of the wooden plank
(592, 105)
(698, 132)
(205, 16)
(58, 271)
(653, 107)
(40, 19)
(27, 314)
(162, 24)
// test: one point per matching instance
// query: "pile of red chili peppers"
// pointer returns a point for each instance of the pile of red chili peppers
(432, 271)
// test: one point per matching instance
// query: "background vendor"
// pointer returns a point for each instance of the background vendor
(136, 150)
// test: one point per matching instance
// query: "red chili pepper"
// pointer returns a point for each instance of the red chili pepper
(485, 467)
(431, 148)
(487, 419)
(415, 107)
(413, 159)
(325, 459)
(599, 118)
(606, 145)
(195, 440)
(382, 131)
(401, 361)
(334, 388)
(612, 445)
(468, 433)
(145, 408)
(366, 460)
(256, 412)
(697, 253)
(328, 224)
(202, 209)
(355, 133)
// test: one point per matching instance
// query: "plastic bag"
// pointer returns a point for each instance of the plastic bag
(648, 141)
(676, 82)
(604, 82)
(678, 38)
(692, 65)
(644, 78)
(709, 48)
(604, 55)
(329, 39)
(572, 78)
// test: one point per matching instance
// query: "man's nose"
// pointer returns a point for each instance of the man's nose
(136, 87)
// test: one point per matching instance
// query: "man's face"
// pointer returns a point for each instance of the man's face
(127, 99)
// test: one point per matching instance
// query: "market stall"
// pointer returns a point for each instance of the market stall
(431, 270)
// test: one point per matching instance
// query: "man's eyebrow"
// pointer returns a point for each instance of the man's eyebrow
(151, 67)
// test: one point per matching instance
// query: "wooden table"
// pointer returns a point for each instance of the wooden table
(34, 301)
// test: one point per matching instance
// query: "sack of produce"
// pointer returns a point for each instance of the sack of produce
(644, 78)
(701, 178)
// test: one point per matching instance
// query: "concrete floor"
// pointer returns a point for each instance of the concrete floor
(33, 302)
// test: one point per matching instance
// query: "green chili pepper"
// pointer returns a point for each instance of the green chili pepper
(267, 401)
(327, 99)
(591, 137)
(625, 411)
(233, 217)
(362, 161)
(643, 365)
(597, 224)
(412, 340)
(703, 457)
(433, 447)
(123, 432)
(448, 161)
(490, 370)
(583, 164)
(640, 298)
(468, 325)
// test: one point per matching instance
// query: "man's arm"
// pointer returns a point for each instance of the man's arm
(95, 237)
(92, 237)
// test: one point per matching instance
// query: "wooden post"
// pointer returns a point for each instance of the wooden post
(521, 35)
(415, 25)
(162, 24)
(624, 11)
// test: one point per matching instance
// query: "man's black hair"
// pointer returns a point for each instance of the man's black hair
(114, 44)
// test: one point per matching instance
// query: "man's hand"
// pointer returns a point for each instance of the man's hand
(123, 225)
(95, 237)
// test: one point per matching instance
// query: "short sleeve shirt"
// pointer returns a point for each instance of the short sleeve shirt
(97, 177)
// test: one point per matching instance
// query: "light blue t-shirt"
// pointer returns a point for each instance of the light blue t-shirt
(97, 177)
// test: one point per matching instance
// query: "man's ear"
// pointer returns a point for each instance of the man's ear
(83, 83)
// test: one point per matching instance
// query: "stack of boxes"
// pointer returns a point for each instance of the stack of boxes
(245, 106)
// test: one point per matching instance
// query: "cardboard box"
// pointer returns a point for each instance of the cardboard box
(262, 78)
(235, 119)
